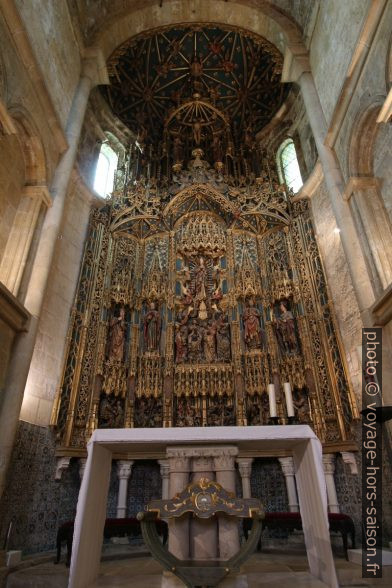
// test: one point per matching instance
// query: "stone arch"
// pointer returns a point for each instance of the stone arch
(363, 137)
(23, 197)
(266, 20)
(116, 145)
(32, 147)
(369, 198)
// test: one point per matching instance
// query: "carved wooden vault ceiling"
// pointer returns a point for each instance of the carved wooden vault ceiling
(154, 73)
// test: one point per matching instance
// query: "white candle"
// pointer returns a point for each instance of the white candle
(272, 400)
(289, 399)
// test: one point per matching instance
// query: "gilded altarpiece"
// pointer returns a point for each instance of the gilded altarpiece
(201, 284)
(185, 313)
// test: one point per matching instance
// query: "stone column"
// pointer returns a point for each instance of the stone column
(93, 72)
(179, 478)
(229, 540)
(165, 475)
(329, 470)
(82, 467)
(287, 466)
(297, 68)
(204, 532)
(124, 469)
(245, 469)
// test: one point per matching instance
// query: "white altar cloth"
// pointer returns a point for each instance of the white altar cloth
(138, 443)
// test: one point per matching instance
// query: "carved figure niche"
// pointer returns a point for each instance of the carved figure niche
(111, 412)
(286, 331)
(202, 333)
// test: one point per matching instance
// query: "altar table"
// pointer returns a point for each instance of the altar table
(297, 440)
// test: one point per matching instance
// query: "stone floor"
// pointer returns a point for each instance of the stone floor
(270, 568)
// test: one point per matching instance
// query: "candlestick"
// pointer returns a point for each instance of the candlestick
(289, 399)
(272, 400)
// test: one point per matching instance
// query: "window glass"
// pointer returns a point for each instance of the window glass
(288, 167)
(106, 167)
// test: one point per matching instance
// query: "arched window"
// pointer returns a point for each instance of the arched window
(288, 168)
(104, 174)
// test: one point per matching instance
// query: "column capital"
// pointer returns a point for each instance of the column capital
(295, 63)
(179, 464)
(94, 66)
(287, 465)
(40, 193)
(62, 464)
(224, 463)
(245, 466)
(349, 458)
(164, 467)
(359, 183)
(329, 463)
(205, 451)
(124, 468)
(202, 464)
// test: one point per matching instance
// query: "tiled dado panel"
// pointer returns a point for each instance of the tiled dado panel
(349, 491)
(268, 484)
(37, 504)
(34, 501)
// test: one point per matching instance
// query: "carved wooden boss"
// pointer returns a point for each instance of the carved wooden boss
(203, 499)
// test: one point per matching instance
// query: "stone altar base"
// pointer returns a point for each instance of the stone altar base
(139, 443)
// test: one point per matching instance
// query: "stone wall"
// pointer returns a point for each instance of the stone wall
(371, 90)
(47, 361)
(56, 48)
(20, 98)
(335, 35)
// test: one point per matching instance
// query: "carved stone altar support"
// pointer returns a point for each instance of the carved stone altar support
(178, 528)
(287, 466)
(164, 467)
(245, 469)
(124, 470)
(224, 466)
(329, 470)
(203, 532)
(206, 541)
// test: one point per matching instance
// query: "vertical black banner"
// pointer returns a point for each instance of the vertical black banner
(371, 453)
